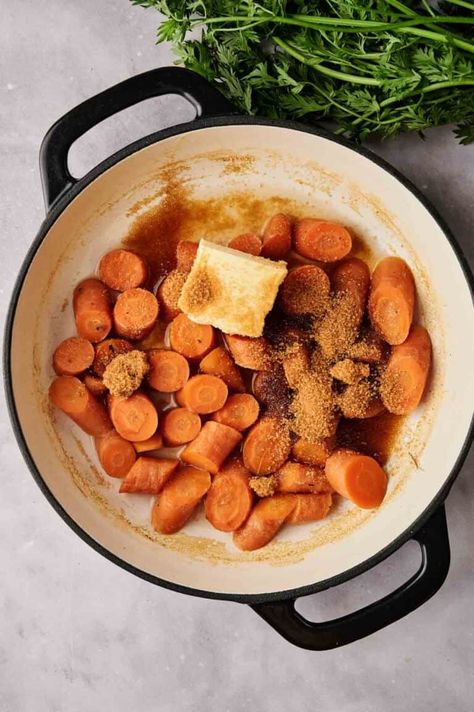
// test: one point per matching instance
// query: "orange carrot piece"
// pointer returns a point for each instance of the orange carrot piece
(148, 475)
(135, 313)
(320, 240)
(277, 237)
(267, 446)
(134, 418)
(357, 477)
(185, 254)
(248, 242)
(404, 380)
(305, 290)
(179, 498)
(310, 508)
(95, 385)
(116, 455)
(71, 396)
(169, 371)
(106, 351)
(294, 477)
(204, 394)
(271, 389)
(122, 269)
(249, 352)
(392, 299)
(212, 446)
(92, 310)
(218, 362)
(179, 426)
(73, 356)
(240, 411)
(313, 453)
(264, 522)
(153, 443)
(191, 340)
(352, 275)
(229, 500)
(168, 294)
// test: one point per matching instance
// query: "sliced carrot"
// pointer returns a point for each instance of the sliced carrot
(294, 477)
(212, 446)
(95, 385)
(106, 351)
(305, 290)
(320, 240)
(254, 353)
(218, 362)
(168, 294)
(72, 356)
(310, 508)
(179, 498)
(185, 254)
(352, 275)
(148, 475)
(240, 411)
(313, 453)
(356, 477)
(204, 394)
(135, 313)
(122, 270)
(360, 400)
(403, 381)
(71, 396)
(92, 310)
(229, 500)
(248, 242)
(267, 446)
(153, 443)
(191, 340)
(271, 389)
(264, 522)
(179, 426)
(134, 418)
(169, 371)
(392, 299)
(276, 240)
(116, 455)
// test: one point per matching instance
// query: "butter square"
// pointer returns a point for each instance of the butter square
(231, 290)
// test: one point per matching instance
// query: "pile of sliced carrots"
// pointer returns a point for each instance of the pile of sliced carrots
(218, 389)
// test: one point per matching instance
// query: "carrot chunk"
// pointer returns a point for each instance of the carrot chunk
(404, 380)
(179, 426)
(264, 522)
(248, 242)
(392, 299)
(320, 240)
(168, 294)
(249, 352)
(267, 446)
(277, 237)
(106, 351)
(134, 418)
(169, 371)
(204, 394)
(212, 446)
(73, 356)
(95, 385)
(71, 396)
(92, 310)
(179, 498)
(240, 411)
(218, 362)
(191, 340)
(148, 475)
(116, 455)
(313, 453)
(294, 477)
(122, 269)
(357, 477)
(153, 443)
(135, 313)
(309, 508)
(305, 290)
(229, 500)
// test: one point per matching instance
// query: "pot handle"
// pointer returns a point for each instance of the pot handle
(55, 175)
(434, 544)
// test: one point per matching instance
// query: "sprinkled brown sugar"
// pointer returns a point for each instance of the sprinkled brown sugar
(369, 348)
(205, 289)
(357, 400)
(339, 328)
(125, 373)
(264, 486)
(349, 371)
(172, 286)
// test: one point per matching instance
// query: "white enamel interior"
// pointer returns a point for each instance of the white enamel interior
(327, 179)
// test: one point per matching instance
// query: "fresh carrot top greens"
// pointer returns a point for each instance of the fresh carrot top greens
(265, 432)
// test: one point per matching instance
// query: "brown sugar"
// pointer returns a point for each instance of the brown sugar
(171, 288)
(204, 289)
(125, 373)
(393, 390)
(339, 328)
(349, 371)
(360, 400)
(369, 348)
(264, 486)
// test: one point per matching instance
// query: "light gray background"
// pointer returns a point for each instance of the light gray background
(76, 632)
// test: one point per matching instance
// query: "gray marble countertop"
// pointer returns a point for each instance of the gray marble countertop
(80, 634)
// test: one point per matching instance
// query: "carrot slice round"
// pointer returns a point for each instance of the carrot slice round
(92, 310)
(116, 454)
(305, 290)
(357, 477)
(250, 352)
(169, 371)
(148, 475)
(71, 396)
(313, 453)
(95, 385)
(168, 294)
(277, 237)
(135, 313)
(179, 426)
(240, 411)
(218, 362)
(106, 351)
(179, 498)
(294, 477)
(204, 394)
(122, 269)
(267, 446)
(212, 446)
(264, 522)
(73, 356)
(153, 443)
(392, 300)
(310, 508)
(191, 340)
(320, 240)
(248, 242)
(229, 500)
(134, 418)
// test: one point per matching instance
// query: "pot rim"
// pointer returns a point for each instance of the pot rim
(53, 214)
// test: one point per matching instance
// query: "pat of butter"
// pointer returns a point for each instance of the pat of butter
(231, 290)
